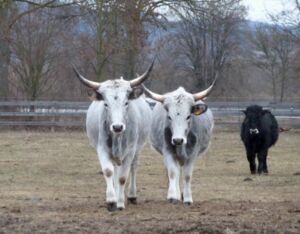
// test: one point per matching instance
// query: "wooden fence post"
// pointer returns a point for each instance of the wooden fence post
(53, 118)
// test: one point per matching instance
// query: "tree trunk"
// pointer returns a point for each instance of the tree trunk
(4, 54)
(283, 78)
(273, 76)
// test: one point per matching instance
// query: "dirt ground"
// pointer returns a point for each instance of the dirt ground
(51, 183)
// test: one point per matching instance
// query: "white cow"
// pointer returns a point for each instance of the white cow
(181, 130)
(117, 125)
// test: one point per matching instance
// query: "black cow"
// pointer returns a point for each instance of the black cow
(259, 131)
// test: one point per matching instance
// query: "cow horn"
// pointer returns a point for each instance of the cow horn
(86, 82)
(140, 79)
(154, 96)
(201, 95)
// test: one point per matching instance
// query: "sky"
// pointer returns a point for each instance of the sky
(259, 9)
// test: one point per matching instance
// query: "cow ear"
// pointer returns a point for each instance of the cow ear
(136, 92)
(265, 111)
(244, 111)
(94, 95)
(199, 109)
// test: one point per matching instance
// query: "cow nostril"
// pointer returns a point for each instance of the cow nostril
(177, 141)
(117, 128)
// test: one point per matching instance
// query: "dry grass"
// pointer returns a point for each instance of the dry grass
(51, 183)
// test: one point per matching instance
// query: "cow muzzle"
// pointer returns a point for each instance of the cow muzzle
(178, 141)
(117, 128)
(253, 131)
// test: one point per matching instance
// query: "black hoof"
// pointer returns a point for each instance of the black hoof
(262, 173)
(253, 172)
(120, 208)
(187, 203)
(132, 200)
(111, 206)
(259, 172)
(173, 201)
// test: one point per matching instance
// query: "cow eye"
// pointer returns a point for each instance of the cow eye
(169, 117)
(105, 104)
(187, 118)
(126, 103)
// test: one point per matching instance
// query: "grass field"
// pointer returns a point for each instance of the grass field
(52, 183)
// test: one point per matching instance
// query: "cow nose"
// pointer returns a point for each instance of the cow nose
(177, 141)
(117, 127)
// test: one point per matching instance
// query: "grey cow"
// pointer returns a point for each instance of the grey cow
(117, 126)
(181, 131)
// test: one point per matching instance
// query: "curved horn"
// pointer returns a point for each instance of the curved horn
(154, 96)
(140, 79)
(86, 82)
(201, 95)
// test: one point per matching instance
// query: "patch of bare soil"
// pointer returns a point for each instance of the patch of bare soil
(52, 183)
(149, 216)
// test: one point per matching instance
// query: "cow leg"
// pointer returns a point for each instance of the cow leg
(123, 175)
(265, 168)
(108, 172)
(132, 186)
(262, 161)
(178, 184)
(187, 191)
(116, 178)
(173, 175)
(251, 160)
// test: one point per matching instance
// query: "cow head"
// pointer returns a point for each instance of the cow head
(252, 120)
(116, 96)
(180, 106)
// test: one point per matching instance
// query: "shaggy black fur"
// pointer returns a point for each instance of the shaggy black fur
(259, 131)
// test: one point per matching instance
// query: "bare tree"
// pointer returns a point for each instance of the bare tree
(35, 49)
(263, 56)
(208, 37)
(4, 51)
(10, 14)
(274, 52)
(121, 31)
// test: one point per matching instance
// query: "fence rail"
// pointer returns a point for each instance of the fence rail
(57, 114)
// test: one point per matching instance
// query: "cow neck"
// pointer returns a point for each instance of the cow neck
(115, 144)
(117, 149)
(181, 154)
(179, 151)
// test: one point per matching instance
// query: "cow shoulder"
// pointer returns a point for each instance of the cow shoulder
(273, 127)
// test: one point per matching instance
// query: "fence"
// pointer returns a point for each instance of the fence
(54, 114)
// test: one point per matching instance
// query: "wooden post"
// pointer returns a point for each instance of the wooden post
(53, 119)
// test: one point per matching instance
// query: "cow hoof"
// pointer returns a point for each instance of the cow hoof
(111, 206)
(173, 201)
(253, 172)
(187, 203)
(120, 208)
(132, 200)
(263, 174)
